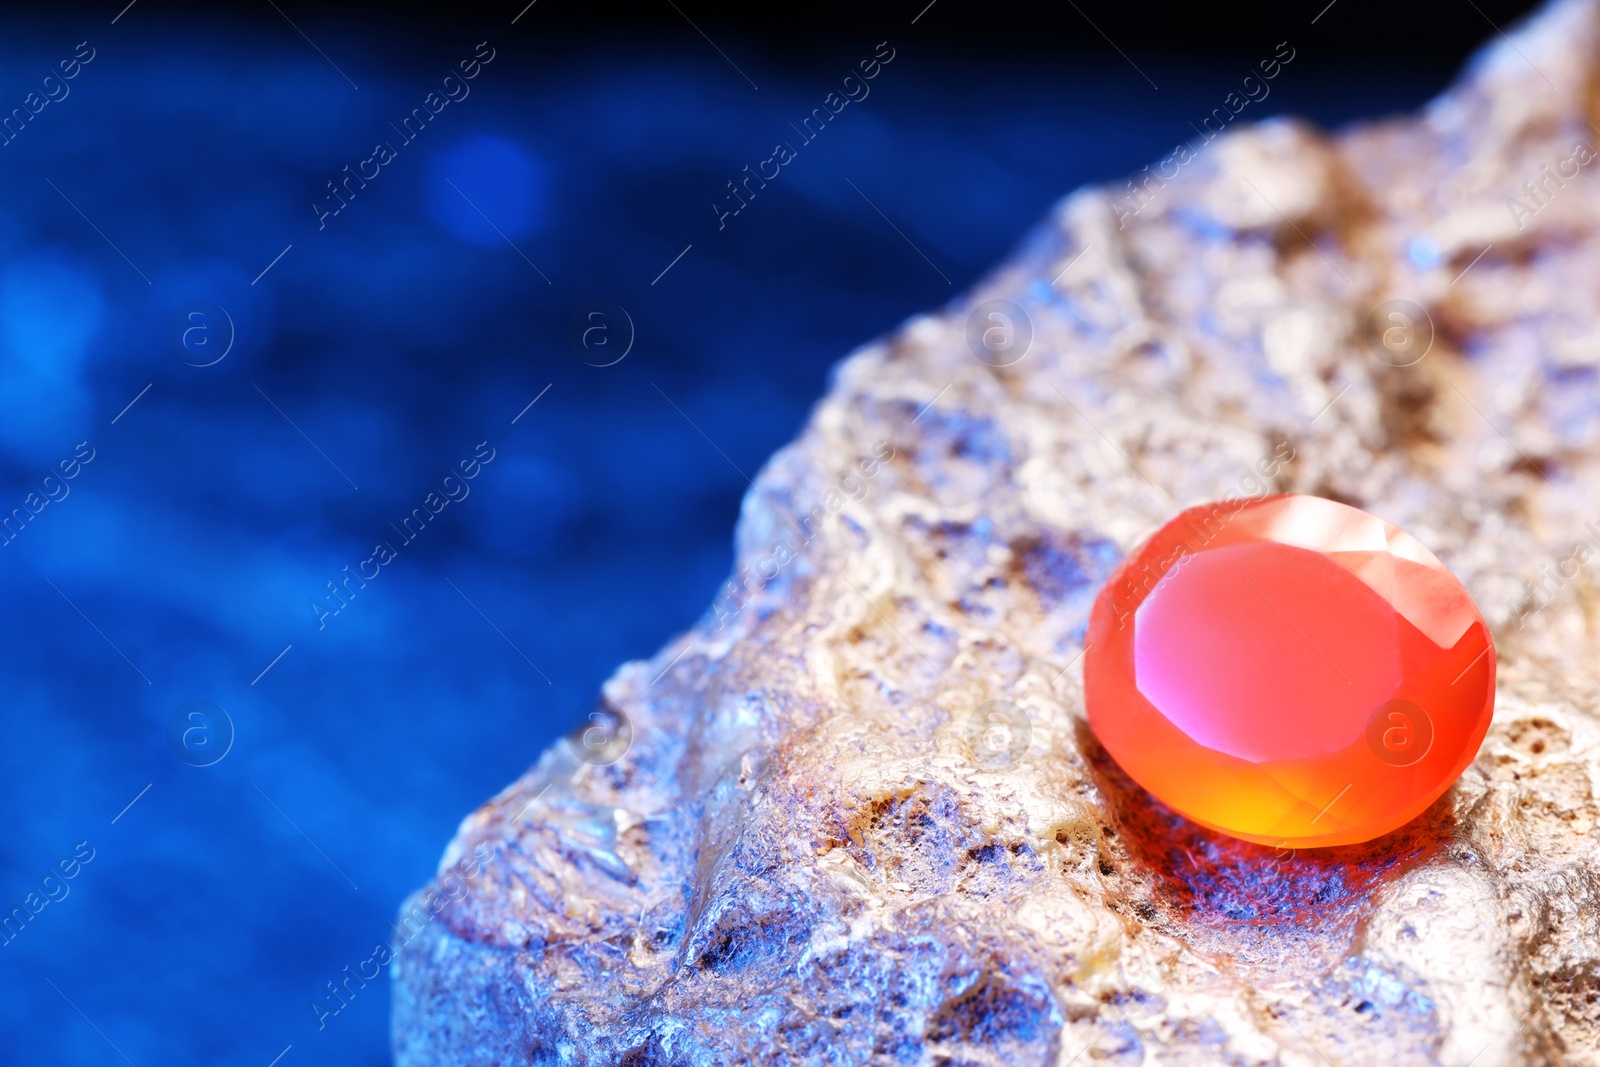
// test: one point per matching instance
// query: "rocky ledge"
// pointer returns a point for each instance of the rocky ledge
(858, 818)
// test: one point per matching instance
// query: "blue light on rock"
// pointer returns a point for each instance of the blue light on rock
(1424, 252)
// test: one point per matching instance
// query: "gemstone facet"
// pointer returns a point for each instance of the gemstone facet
(1289, 670)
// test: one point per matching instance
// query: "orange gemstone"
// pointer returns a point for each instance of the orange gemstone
(1289, 670)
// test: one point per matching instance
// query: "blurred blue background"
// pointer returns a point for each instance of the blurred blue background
(177, 170)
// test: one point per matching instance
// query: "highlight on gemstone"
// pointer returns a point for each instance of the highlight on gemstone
(1289, 670)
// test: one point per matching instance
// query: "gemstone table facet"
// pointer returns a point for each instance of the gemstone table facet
(1289, 670)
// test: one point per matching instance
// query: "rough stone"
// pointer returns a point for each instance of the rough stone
(828, 844)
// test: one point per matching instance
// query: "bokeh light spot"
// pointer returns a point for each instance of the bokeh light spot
(50, 308)
(487, 187)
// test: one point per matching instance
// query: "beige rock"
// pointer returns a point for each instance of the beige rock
(861, 819)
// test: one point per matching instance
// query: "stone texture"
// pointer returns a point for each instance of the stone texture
(821, 848)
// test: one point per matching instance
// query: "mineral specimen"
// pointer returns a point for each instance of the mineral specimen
(862, 820)
(1289, 670)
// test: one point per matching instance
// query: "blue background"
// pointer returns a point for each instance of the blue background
(187, 157)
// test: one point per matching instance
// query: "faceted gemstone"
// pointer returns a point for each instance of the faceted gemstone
(1289, 670)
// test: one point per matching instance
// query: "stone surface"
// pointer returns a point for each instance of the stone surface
(833, 842)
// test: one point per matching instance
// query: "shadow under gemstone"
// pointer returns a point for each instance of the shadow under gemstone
(1274, 914)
